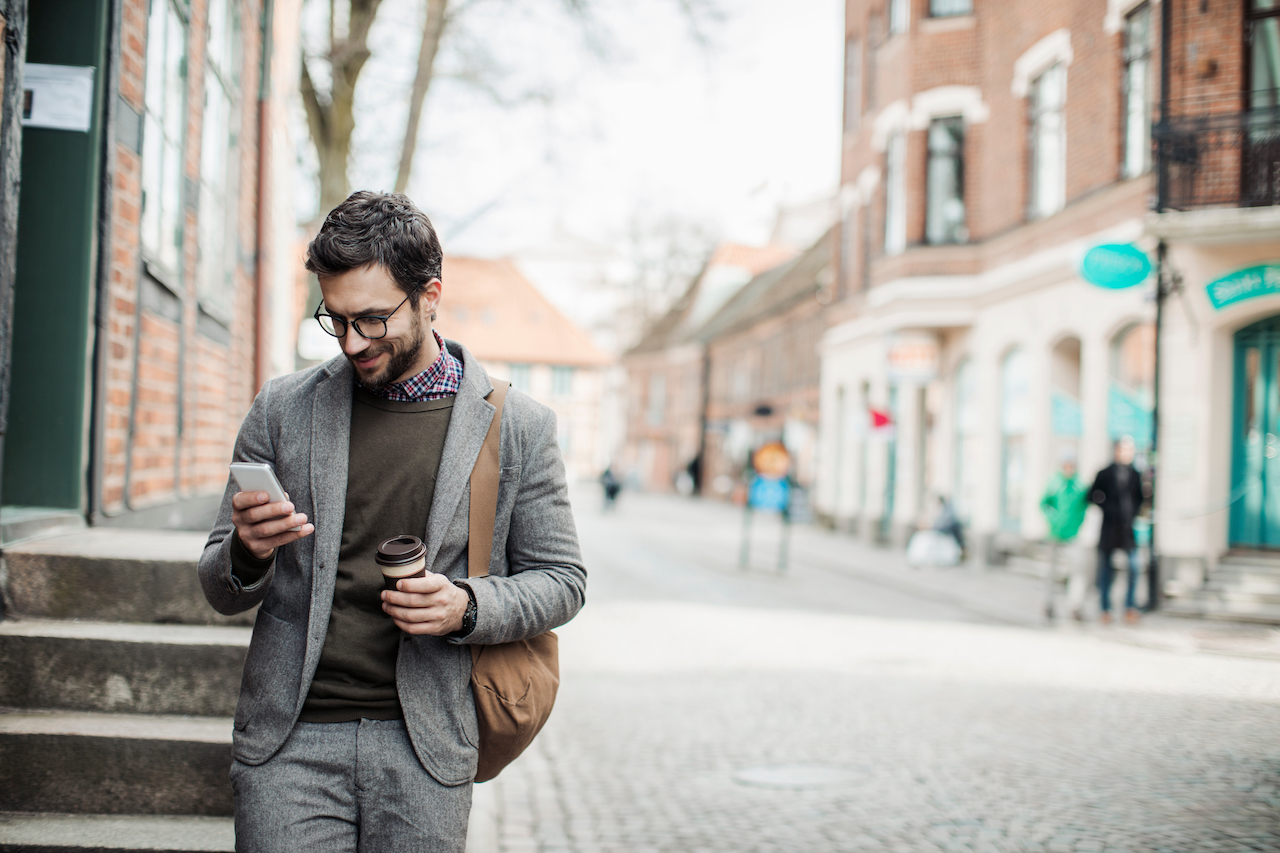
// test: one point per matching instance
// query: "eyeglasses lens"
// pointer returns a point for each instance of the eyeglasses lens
(371, 327)
(333, 326)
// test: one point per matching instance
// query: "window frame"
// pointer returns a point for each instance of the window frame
(895, 186)
(220, 163)
(1129, 59)
(852, 84)
(961, 235)
(899, 16)
(934, 13)
(161, 226)
(1036, 114)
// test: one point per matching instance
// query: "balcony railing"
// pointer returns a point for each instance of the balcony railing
(1216, 158)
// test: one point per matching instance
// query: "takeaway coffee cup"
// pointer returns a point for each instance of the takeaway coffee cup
(402, 557)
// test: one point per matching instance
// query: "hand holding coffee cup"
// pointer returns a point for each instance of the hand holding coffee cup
(402, 557)
(419, 601)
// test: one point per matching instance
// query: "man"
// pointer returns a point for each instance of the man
(1118, 490)
(1064, 504)
(356, 727)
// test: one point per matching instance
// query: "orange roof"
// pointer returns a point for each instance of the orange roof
(756, 259)
(495, 312)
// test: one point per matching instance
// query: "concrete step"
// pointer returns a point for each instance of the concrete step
(112, 575)
(1265, 560)
(63, 833)
(1261, 588)
(1205, 607)
(121, 667)
(81, 763)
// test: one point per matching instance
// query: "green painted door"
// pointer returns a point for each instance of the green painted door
(1255, 510)
(50, 386)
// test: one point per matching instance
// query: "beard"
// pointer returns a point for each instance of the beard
(403, 355)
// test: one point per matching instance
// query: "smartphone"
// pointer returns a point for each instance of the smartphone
(259, 477)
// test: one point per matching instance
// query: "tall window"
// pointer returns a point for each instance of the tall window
(521, 377)
(1137, 91)
(848, 249)
(219, 163)
(899, 12)
(1263, 33)
(165, 118)
(852, 84)
(1015, 419)
(895, 211)
(949, 8)
(657, 399)
(944, 205)
(561, 381)
(1048, 143)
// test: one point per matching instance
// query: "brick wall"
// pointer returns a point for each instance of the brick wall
(177, 381)
(981, 50)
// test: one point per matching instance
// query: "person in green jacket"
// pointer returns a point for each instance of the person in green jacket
(1064, 503)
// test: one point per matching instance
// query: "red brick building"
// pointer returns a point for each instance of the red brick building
(763, 369)
(150, 231)
(986, 147)
(666, 370)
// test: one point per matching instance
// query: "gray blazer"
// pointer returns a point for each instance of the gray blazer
(301, 424)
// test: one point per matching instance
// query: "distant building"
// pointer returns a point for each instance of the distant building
(763, 369)
(666, 370)
(518, 335)
(986, 148)
(150, 285)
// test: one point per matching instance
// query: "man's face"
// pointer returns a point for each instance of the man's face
(1124, 452)
(408, 347)
(1068, 468)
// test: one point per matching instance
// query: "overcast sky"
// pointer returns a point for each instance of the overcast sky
(652, 124)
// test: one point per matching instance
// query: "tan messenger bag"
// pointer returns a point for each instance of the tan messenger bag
(514, 684)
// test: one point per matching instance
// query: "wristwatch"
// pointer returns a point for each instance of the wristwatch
(468, 618)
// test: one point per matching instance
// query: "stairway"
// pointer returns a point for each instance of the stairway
(117, 687)
(1245, 587)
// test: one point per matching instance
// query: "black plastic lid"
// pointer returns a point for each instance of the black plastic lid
(400, 551)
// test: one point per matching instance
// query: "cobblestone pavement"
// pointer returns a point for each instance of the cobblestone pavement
(696, 698)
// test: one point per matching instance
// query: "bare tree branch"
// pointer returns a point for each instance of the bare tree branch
(432, 30)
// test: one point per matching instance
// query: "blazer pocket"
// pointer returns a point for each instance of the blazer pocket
(270, 636)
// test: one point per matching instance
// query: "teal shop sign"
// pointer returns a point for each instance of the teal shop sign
(1244, 284)
(1115, 266)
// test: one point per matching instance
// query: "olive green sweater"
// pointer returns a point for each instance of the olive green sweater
(393, 459)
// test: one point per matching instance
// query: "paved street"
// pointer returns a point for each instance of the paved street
(843, 706)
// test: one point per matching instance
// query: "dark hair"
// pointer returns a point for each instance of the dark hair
(378, 228)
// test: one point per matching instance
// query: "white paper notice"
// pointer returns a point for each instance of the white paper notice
(57, 96)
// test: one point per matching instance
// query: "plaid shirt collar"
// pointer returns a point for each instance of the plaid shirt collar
(441, 379)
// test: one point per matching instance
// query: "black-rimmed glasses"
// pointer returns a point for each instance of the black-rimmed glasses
(370, 326)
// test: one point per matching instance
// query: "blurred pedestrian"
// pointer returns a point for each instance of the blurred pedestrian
(611, 486)
(947, 522)
(1064, 504)
(1118, 490)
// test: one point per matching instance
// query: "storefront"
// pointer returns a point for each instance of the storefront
(1033, 365)
(1219, 490)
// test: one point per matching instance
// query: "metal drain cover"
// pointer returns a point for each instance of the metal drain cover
(796, 776)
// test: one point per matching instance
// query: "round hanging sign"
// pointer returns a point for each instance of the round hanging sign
(1115, 266)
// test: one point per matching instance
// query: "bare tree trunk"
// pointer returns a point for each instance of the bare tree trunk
(331, 121)
(432, 30)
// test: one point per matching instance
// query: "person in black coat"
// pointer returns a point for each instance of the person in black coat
(1118, 491)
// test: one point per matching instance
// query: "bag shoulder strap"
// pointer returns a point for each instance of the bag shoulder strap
(484, 490)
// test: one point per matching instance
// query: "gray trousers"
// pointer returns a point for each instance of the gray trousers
(354, 787)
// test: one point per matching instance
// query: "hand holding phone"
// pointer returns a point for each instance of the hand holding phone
(261, 512)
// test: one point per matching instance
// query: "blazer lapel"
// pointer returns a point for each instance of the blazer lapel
(468, 425)
(330, 440)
